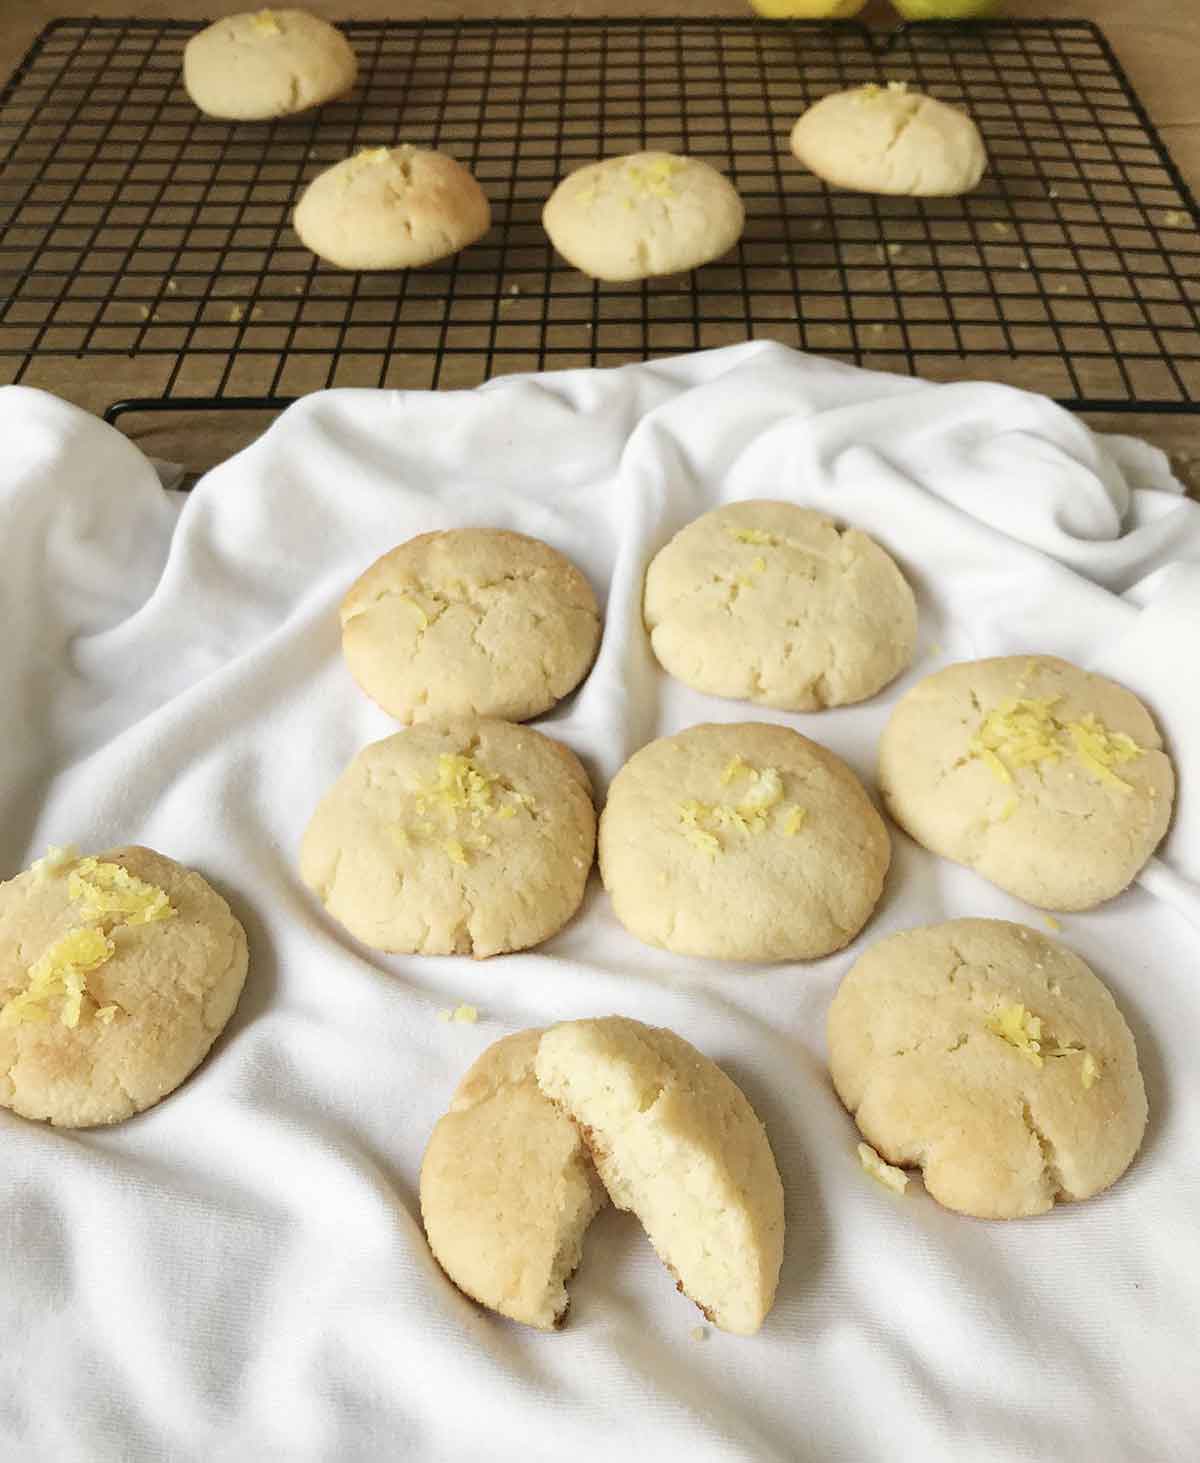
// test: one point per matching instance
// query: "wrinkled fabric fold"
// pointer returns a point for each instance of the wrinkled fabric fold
(241, 1271)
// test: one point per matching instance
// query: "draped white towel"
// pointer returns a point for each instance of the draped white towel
(241, 1273)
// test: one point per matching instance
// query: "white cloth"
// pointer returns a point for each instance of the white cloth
(241, 1272)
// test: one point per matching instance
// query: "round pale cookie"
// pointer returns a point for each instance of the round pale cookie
(508, 1189)
(648, 213)
(117, 974)
(471, 621)
(391, 208)
(267, 63)
(676, 1142)
(994, 1060)
(741, 842)
(466, 838)
(888, 139)
(771, 603)
(1047, 780)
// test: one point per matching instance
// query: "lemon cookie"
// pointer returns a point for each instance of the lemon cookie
(994, 1060)
(508, 1189)
(741, 842)
(768, 602)
(391, 208)
(645, 214)
(1047, 780)
(890, 139)
(267, 63)
(117, 974)
(676, 1142)
(466, 838)
(474, 621)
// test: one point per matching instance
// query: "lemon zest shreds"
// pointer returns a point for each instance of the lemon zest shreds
(794, 817)
(109, 892)
(60, 973)
(1023, 732)
(1101, 750)
(1020, 1028)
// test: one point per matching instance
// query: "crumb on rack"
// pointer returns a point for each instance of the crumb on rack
(699, 1333)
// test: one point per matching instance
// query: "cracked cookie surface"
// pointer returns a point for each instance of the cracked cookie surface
(1046, 779)
(890, 139)
(644, 214)
(392, 208)
(90, 1041)
(993, 1059)
(470, 621)
(764, 601)
(741, 842)
(468, 837)
(267, 63)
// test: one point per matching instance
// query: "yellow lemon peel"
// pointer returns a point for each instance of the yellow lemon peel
(60, 973)
(466, 795)
(1020, 1028)
(1024, 731)
(793, 819)
(461, 1015)
(107, 891)
(266, 23)
(701, 822)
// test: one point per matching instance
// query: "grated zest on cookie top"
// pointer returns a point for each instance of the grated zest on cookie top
(266, 23)
(466, 794)
(1020, 1028)
(1024, 732)
(110, 893)
(1025, 1031)
(762, 800)
(60, 974)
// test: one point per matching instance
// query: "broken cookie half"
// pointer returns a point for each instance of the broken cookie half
(508, 1185)
(508, 1189)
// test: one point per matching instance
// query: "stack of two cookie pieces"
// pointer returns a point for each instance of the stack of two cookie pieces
(547, 1126)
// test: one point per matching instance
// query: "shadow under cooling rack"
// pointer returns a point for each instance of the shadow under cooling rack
(133, 227)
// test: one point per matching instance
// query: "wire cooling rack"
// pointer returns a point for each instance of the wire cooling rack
(130, 225)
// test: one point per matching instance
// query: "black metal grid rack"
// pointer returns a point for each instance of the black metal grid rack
(130, 225)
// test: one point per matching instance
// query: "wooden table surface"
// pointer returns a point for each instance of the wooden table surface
(1156, 41)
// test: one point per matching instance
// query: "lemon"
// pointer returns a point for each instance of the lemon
(808, 9)
(944, 9)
